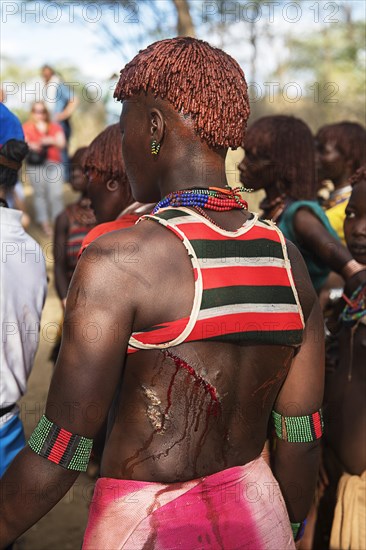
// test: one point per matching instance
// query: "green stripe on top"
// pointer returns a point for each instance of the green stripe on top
(170, 214)
(228, 295)
(231, 248)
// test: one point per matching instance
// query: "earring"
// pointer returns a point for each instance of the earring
(155, 147)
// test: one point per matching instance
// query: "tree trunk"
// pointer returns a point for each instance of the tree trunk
(185, 25)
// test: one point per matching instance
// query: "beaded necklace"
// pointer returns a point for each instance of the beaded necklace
(218, 199)
(339, 195)
(210, 198)
(356, 306)
(352, 315)
(272, 210)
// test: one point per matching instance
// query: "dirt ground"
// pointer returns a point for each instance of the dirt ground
(63, 527)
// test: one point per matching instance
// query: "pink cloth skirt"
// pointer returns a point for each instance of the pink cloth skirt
(241, 507)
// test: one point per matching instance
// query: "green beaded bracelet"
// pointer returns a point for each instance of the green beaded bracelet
(69, 450)
(298, 429)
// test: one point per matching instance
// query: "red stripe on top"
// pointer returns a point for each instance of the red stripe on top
(223, 324)
(169, 331)
(60, 446)
(215, 277)
(317, 424)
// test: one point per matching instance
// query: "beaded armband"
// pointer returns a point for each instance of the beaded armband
(299, 429)
(298, 530)
(60, 446)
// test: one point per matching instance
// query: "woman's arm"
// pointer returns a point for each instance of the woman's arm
(296, 464)
(30, 137)
(314, 236)
(68, 110)
(87, 372)
(57, 140)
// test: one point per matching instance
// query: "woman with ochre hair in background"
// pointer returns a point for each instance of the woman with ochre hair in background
(46, 140)
(340, 151)
(108, 187)
(279, 158)
(201, 336)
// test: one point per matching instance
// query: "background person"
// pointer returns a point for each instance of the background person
(71, 227)
(280, 158)
(340, 151)
(11, 130)
(43, 165)
(342, 506)
(108, 186)
(23, 292)
(61, 103)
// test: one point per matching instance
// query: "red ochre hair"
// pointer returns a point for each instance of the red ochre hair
(349, 138)
(104, 154)
(288, 143)
(198, 80)
(358, 176)
(77, 159)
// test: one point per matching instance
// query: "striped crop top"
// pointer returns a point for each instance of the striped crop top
(244, 289)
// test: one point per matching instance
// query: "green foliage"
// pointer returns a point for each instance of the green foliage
(330, 66)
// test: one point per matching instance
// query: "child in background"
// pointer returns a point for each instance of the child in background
(71, 227)
(342, 509)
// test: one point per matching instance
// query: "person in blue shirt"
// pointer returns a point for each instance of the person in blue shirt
(61, 102)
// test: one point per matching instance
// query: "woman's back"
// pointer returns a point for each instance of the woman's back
(188, 410)
(179, 419)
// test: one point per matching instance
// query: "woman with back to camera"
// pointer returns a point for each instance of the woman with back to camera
(46, 140)
(279, 158)
(203, 333)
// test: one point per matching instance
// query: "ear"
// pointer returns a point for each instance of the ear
(112, 185)
(157, 125)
